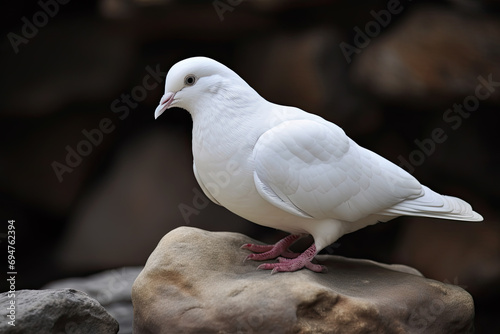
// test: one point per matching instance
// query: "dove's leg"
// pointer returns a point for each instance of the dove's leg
(303, 260)
(324, 232)
(268, 252)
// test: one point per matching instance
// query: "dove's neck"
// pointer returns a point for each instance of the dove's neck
(228, 126)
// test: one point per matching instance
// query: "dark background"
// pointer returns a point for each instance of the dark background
(78, 66)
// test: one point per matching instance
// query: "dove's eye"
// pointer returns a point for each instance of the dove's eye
(189, 80)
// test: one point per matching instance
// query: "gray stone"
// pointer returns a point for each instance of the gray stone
(55, 312)
(197, 282)
(111, 288)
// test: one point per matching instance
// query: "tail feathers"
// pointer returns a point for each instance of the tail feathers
(434, 205)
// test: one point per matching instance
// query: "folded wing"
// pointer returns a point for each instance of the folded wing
(312, 169)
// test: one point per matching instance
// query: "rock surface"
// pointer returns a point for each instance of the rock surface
(196, 282)
(54, 312)
(111, 288)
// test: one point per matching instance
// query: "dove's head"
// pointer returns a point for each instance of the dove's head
(197, 83)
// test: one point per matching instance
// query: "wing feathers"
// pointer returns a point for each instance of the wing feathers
(314, 167)
(310, 168)
(434, 205)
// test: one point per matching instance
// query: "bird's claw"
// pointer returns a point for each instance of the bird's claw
(267, 252)
(288, 265)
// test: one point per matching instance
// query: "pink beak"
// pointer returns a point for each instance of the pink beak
(165, 102)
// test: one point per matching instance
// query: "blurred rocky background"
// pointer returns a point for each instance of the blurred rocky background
(93, 182)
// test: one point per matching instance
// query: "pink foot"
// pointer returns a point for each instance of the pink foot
(303, 260)
(268, 252)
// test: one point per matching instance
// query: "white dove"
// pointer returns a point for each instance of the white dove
(284, 168)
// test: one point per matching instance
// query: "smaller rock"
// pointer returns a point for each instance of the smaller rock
(111, 288)
(54, 312)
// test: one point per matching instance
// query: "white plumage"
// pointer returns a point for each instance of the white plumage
(282, 167)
